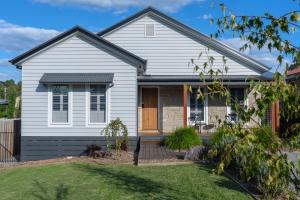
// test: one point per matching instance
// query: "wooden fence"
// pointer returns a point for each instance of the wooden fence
(10, 136)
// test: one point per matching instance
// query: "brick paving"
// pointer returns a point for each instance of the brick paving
(155, 153)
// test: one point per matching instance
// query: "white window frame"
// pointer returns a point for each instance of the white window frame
(70, 107)
(205, 122)
(246, 101)
(107, 107)
(154, 29)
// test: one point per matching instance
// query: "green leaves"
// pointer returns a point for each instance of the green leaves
(116, 132)
(255, 153)
(294, 17)
(261, 31)
(183, 138)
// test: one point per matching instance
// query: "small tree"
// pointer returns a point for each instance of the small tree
(116, 132)
(256, 152)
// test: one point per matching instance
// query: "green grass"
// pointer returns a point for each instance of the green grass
(92, 181)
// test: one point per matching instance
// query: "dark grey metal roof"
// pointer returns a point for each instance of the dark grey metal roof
(202, 38)
(76, 78)
(195, 78)
(134, 59)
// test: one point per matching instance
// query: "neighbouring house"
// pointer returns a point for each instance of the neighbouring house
(137, 70)
(294, 75)
(3, 102)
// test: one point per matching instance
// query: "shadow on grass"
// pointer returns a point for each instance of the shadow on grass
(229, 184)
(41, 192)
(131, 182)
(225, 183)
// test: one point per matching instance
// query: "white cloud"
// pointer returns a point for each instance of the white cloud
(20, 38)
(263, 55)
(207, 16)
(121, 5)
(4, 61)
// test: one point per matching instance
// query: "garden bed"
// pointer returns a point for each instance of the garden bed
(122, 157)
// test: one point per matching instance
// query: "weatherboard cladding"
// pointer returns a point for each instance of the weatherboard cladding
(76, 55)
(118, 32)
(133, 59)
(77, 78)
(40, 148)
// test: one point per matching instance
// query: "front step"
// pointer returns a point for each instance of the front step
(151, 139)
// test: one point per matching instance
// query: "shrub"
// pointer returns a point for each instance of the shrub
(221, 137)
(183, 138)
(116, 132)
(254, 153)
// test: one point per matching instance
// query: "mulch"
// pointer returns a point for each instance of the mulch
(122, 157)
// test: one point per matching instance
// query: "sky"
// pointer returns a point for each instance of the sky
(27, 23)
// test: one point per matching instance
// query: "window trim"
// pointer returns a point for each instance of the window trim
(154, 29)
(246, 101)
(205, 122)
(70, 107)
(87, 106)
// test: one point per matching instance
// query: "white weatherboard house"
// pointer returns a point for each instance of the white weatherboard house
(137, 70)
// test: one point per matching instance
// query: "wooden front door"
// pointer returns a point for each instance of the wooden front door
(149, 108)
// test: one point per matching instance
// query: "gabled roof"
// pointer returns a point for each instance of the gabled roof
(202, 38)
(133, 59)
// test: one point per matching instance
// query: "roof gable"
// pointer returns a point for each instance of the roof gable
(192, 33)
(133, 59)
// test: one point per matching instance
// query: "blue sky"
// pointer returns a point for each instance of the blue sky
(26, 23)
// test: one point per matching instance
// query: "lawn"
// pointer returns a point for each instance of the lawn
(93, 181)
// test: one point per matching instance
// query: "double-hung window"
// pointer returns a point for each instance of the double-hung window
(97, 104)
(197, 107)
(237, 95)
(60, 104)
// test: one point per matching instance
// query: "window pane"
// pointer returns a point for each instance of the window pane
(196, 107)
(60, 103)
(65, 99)
(97, 103)
(236, 95)
(56, 107)
(60, 116)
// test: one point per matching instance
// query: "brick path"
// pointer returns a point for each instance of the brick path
(155, 153)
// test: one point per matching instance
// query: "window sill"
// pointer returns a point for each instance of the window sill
(190, 123)
(102, 125)
(58, 125)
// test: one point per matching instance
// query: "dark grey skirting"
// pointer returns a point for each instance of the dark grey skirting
(46, 147)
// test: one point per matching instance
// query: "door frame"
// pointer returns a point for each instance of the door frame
(158, 106)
